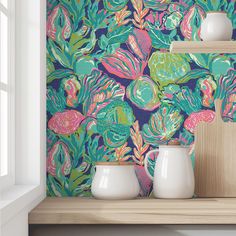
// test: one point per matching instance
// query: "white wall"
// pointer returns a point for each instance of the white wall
(30, 115)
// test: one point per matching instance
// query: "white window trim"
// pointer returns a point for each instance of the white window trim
(30, 123)
(8, 180)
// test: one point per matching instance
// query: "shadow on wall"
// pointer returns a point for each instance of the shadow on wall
(131, 230)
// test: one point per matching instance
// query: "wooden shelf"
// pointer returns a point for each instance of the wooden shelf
(139, 211)
(203, 47)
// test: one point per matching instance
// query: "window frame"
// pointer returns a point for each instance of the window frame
(8, 180)
(30, 123)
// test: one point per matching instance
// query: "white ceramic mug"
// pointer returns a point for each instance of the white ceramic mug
(216, 27)
(173, 175)
(115, 180)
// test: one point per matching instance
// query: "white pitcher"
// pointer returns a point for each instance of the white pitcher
(173, 175)
(216, 27)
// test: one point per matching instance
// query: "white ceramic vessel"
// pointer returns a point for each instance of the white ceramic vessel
(115, 180)
(216, 27)
(173, 175)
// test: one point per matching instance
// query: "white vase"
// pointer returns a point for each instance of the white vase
(173, 175)
(216, 27)
(114, 180)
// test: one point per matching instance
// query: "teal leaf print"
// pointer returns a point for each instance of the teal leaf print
(144, 93)
(158, 5)
(114, 122)
(114, 5)
(76, 9)
(193, 74)
(215, 5)
(60, 54)
(220, 65)
(60, 74)
(184, 98)
(84, 66)
(160, 40)
(162, 125)
(55, 100)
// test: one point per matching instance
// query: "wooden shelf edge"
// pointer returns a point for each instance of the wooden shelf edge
(203, 47)
(139, 211)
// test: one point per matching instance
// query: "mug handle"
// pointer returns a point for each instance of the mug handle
(146, 163)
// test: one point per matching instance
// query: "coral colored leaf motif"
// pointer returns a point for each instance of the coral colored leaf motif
(113, 123)
(190, 26)
(162, 125)
(58, 24)
(195, 118)
(139, 14)
(140, 148)
(121, 15)
(66, 122)
(123, 64)
(58, 160)
(207, 87)
(97, 91)
(72, 86)
(121, 152)
(138, 5)
(140, 43)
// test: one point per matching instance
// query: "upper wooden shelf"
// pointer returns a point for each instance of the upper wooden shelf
(139, 211)
(203, 47)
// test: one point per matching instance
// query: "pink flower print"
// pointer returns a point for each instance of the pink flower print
(66, 123)
(196, 117)
(54, 159)
(53, 25)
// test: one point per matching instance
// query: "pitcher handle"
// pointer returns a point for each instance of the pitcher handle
(146, 162)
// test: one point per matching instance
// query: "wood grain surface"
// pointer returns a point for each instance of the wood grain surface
(203, 47)
(139, 211)
(215, 149)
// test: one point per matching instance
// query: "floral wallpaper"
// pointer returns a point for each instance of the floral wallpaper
(114, 92)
